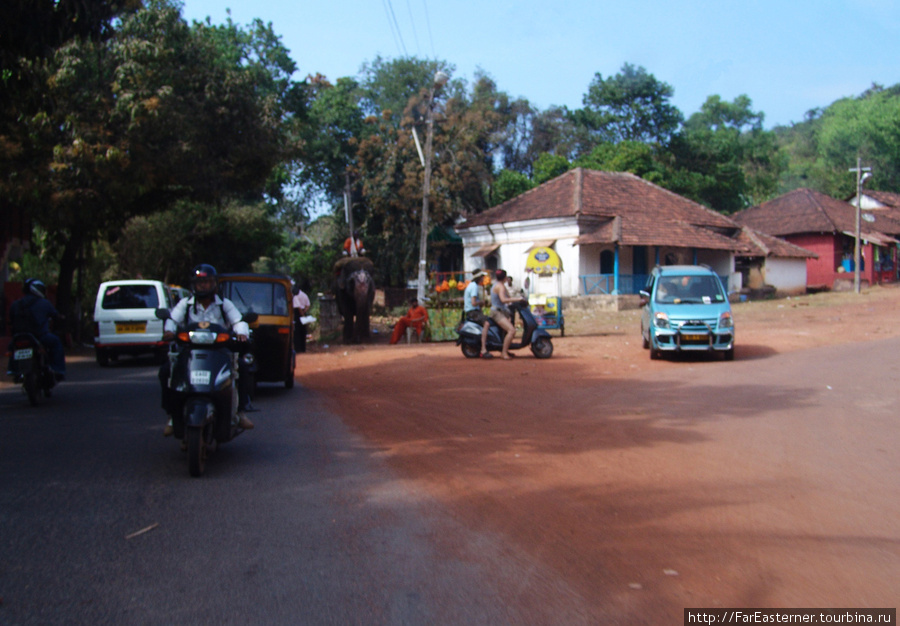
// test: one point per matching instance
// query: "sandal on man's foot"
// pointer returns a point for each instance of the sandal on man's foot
(487, 355)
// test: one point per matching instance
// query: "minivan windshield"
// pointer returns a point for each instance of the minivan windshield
(688, 289)
(130, 297)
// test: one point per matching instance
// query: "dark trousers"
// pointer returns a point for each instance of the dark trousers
(299, 335)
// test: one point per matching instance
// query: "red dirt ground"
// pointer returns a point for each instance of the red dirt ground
(562, 457)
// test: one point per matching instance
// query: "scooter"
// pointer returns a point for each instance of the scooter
(537, 338)
(29, 367)
(203, 373)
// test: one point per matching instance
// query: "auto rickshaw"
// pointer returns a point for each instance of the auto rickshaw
(270, 297)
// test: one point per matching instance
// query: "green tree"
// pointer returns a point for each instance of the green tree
(509, 184)
(128, 125)
(548, 166)
(732, 158)
(867, 126)
(630, 106)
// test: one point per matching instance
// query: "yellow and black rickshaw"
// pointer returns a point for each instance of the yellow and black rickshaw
(270, 297)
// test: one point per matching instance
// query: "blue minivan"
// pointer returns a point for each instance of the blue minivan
(685, 308)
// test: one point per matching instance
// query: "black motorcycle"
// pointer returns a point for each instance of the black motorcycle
(203, 373)
(537, 338)
(29, 367)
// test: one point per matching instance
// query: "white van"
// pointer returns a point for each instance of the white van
(125, 319)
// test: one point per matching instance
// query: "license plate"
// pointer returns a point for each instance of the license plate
(22, 355)
(200, 377)
(131, 327)
(695, 337)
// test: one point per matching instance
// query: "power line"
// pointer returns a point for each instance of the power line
(428, 25)
(413, 22)
(392, 21)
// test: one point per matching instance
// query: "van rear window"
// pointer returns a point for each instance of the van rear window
(130, 297)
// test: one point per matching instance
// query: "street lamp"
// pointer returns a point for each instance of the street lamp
(440, 79)
(862, 174)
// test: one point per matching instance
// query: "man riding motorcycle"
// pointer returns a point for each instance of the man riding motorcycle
(32, 314)
(205, 305)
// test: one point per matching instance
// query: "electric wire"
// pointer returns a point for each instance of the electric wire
(412, 22)
(428, 26)
(392, 20)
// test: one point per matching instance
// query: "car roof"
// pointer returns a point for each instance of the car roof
(681, 270)
(136, 281)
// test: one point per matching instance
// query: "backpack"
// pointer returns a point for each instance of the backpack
(23, 319)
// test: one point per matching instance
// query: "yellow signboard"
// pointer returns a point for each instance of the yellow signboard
(543, 261)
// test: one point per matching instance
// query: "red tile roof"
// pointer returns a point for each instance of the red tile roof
(617, 207)
(807, 211)
(761, 244)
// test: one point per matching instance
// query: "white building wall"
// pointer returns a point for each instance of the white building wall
(515, 238)
(786, 275)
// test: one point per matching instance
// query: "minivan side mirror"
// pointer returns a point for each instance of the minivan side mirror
(645, 297)
(163, 314)
(250, 317)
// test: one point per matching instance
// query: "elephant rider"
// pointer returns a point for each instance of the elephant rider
(353, 246)
(205, 305)
(32, 314)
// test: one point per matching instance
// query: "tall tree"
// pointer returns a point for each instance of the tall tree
(129, 125)
(736, 159)
(630, 106)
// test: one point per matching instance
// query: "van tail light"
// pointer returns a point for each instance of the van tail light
(96, 330)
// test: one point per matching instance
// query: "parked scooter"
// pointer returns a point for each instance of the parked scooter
(537, 338)
(29, 367)
(203, 372)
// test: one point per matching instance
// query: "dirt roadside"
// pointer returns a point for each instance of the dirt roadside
(521, 449)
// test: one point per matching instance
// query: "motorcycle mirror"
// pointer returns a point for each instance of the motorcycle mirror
(163, 314)
(250, 317)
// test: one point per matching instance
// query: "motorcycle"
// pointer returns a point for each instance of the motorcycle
(537, 338)
(203, 373)
(29, 367)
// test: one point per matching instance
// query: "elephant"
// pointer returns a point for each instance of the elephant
(354, 290)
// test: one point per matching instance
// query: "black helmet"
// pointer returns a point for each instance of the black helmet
(200, 273)
(36, 287)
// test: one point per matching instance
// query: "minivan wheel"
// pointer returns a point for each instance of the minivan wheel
(102, 357)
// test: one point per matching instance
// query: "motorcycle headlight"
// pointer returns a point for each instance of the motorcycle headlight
(661, 320)
(725, 320)
(202, 337)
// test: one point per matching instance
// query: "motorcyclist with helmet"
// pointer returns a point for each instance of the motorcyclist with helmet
(32, 313)
(205, 305)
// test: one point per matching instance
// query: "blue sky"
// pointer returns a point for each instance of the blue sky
(788, 56)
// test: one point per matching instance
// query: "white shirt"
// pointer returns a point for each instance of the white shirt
(186, 311)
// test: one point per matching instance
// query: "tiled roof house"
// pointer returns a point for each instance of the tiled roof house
(609, 229)
(827, 226)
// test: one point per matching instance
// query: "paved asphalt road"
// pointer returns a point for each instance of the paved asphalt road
(295, 522)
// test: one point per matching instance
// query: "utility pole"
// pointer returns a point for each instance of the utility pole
(440, 79)
(859, 169)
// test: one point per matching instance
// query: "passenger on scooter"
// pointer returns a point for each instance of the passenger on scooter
(205, 305)
(32, 314)
(500, 312)
(472, 309)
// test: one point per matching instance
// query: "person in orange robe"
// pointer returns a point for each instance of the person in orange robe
(415, 318)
